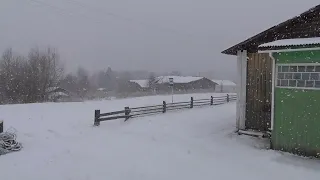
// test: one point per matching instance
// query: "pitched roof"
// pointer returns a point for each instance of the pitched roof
(177, 79)
(303, 26)
(165, 79)
(224, 82)
(143, 83)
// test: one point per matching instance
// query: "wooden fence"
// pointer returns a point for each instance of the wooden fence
(128, 112)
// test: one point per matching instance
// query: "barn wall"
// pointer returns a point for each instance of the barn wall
(226, 88)
(296, 117)
(203, 83)
(259, 91)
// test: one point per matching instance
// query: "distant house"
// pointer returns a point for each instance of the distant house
(101, 93)
(57, 94)
(126, 88)
(226, 86)
(185, 84)
(134, 86)
(144, 83)
(182, 84)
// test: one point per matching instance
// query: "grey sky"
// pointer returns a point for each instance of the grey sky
(160, 35)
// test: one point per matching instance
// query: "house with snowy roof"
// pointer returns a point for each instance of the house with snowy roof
(185, 84)
(182, 84)
(225, 86)
(143, 83)
(57, 94)
(278, 86)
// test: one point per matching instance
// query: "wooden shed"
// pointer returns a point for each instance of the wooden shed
(254, 83)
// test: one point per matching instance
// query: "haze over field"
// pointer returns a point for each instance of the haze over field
(161, 36)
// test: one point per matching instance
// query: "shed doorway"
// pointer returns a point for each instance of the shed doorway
(259, 92)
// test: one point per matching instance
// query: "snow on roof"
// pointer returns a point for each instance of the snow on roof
(55, 94)
(224, 82)
(292, 42)
(177, 79)
(143, 83)
(165, 79)
(101, 89)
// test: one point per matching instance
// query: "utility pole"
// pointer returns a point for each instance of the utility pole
(221, 85)
(171, 84)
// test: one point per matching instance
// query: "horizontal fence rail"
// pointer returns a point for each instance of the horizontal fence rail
(128, 113)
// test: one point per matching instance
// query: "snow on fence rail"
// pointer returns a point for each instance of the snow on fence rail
(128, 112)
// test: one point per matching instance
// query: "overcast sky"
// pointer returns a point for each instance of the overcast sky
(154, 35)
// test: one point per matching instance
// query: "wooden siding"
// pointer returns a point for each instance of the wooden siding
(259, 90)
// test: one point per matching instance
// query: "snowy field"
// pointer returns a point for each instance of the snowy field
(60, 143)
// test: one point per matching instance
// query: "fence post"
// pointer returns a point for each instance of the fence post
(127, 113)
(164, 107)
(191, 103)
(211, 101)
(96, 117)
(1, 127)
(228, 99)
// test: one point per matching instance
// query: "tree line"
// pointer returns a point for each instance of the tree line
(29, 78)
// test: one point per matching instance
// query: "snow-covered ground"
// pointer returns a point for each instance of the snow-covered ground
(60, 143)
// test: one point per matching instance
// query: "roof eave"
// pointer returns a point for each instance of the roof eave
(232, 50)
(289, 47)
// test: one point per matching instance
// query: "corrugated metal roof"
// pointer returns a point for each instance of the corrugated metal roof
(292, 42)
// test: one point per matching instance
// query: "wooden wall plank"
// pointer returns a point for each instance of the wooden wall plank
(259, 90)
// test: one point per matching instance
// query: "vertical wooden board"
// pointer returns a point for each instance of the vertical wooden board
(265, 86)
(261, 89)
(254, 82)
(250, 95)
(249, 90)
(268, 73)
(255, 86)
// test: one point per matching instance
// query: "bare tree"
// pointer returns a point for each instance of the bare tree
(12, 72)
(44, 72)
(112, 79)
(102, 79)
(70, 83)
(83, 83)
(152, 82)
(26, 80)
